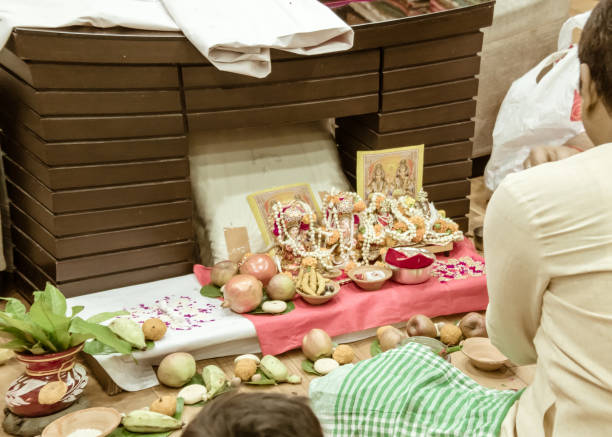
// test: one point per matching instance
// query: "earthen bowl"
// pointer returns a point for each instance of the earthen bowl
(320, 300)
(369, 285)
(482, 354)
(105, 420)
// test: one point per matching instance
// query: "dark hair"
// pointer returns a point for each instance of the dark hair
(256, 415)
(596, 49)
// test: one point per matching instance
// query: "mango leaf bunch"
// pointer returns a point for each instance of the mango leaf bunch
(46, 328)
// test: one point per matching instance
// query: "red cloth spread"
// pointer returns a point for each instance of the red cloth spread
(353, 310)
(398, 259)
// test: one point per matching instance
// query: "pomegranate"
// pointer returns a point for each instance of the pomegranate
(261, 266)
(243, 293)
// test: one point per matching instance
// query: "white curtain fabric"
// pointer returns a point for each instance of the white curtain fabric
(234, 36)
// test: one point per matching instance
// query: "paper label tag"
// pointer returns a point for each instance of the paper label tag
(237, 243)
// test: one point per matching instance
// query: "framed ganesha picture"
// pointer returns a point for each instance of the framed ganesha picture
(393, 172)
(261, 204)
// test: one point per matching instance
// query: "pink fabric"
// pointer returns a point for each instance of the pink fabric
(353, 310)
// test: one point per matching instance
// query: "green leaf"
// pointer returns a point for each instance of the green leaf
(180, 405)
(76, 310)
(103, 317)
(30, 330)
(259, 310)
(14, 307)
(94, 347)
(308, 367)
(16, 345)
(263, 381)
(37, 349)
(375, 348)
(197, 379)
(150, 344)
(54, 300)
(211, 291)
(101, 333)
(55, 325)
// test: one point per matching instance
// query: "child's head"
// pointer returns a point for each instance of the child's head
(256, 415)
(596, 73)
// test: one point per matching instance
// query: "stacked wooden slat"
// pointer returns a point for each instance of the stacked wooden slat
(426, 97)
(97, 173)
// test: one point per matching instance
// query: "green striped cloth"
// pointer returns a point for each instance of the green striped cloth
(408, 391)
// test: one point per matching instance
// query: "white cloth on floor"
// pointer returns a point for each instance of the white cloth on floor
(235, 36)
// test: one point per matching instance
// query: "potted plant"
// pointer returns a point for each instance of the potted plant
(47, 339)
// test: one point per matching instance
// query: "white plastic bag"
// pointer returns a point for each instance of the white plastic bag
(540, 109)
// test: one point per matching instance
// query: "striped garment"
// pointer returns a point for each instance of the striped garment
(409, 391)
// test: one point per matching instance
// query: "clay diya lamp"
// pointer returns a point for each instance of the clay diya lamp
(104, 420)
(482, 354)
(22, 395)
(410, 265)
(369, 278)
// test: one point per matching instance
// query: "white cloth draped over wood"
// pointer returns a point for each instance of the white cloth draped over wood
(548, 247)
(234, 35)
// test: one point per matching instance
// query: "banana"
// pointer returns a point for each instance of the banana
(306, 284)
(150, 422)
(321, 284)
(313, 280)
(300, 276)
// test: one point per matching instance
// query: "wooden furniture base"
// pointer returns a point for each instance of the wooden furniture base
(96, 125)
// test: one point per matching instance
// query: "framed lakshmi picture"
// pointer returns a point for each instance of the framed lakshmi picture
(392, 172)
(261, 204)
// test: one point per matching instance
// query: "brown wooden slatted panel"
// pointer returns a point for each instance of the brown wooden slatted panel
(340, 64)
(420, 117)
(64, 128)
(290, 113)
(61, 225)
(89, 244)
(462, 222)
(429, 95)
(455, 207)
(38, 278)
(429, 135)
(127, 46)
(43, 75)
(434, 154)
(432, 51)
(58, 178)
(88, 152)
(431, 73)
(100, 264)
(97, 198)
(90, 102)
(424, 27)
(281, 92)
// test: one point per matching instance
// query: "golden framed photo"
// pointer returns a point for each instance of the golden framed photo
(261, 204)
(396, 171)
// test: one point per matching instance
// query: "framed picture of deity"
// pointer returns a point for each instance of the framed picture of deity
(262, 202)
(393, 172)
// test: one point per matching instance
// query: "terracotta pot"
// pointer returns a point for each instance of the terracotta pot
(22, 395)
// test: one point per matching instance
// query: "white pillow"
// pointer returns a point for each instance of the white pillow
(227, 165)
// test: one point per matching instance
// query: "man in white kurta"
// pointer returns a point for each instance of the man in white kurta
(548, 247)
